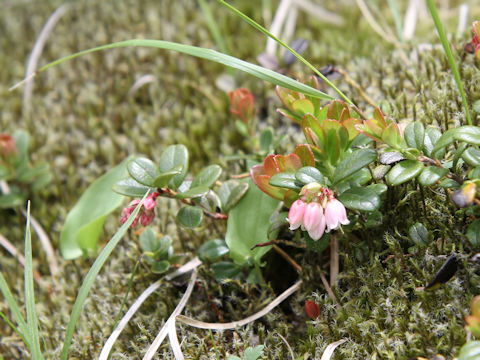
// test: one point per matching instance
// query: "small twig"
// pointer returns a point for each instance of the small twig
(288, 258)
(281, 242)
(328, 353)
(240, 176)
(355, 85)
(288, 346)
(329, 289)
(435, 162)
(14, 252)
(334, 260)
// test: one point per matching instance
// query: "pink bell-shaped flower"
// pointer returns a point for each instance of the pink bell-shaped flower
(314, 220)
(335, 214)
(295, 215)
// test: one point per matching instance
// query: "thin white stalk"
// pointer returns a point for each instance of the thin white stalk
(328, 353)
(288, 346)
(277, 24)
(410, 21)
(107, 348)
(289, 27)
(373, 23)
(172, 337)
(141, 81)
(462, 19)
(319, 12)
(247, 320)
(163, 331)
(37, 51)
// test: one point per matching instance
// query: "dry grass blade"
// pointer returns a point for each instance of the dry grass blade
(172, 337)
(373, 23)
(288, 346)
(37, 51)
(189, 266)
(277, 23)
(163, 331)
(328, 353)
(142, 80)
(329, 289)
(410, 21)
(247, 320)
(462, 19)
(320, 13)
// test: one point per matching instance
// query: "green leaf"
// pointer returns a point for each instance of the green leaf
(225, 270)
(230, 193)
(149, 241)
(309, 174)
(171, 158)
(11, 200)
(248, 224)
(84, 221)
(449, 184)
(266, 140)
(190, 216)
(378, 188)
(159, 267)
(431, 174)
(473, 233)
(432, 135)
(302, 107)
(208, 54)
(419, 234)
(470, 351)
(29, 175)
(404, 171)
(286, 180)
(467, 133)
(471, 156)
(163, 179)
(207, 176)
(212, 250)
(474, 173)
(391, 136)
(130, 187)
(253, 353)
(143, 170)
(360, 198)
(352, 163)
(414, 135)
(195, 192)
(22, 141)
(92, 276)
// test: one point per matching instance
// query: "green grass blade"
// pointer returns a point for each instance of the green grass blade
(12, 304)
(90, 279)
(448, 53)
(32, 319)
(208, 54)
(213, 27)
(12, 325)
(297, 55)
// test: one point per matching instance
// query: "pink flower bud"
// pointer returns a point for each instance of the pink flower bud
(7, 146)
(147, 217)
(313, 220)
(149, 203)
(335, 214)
(295, 215)
(133, 204)
(242, 104)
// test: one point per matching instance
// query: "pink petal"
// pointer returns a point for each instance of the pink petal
(295, 215)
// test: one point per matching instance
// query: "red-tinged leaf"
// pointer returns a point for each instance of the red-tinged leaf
(302, 107)
(289, 197)
(392, 137)
(473, 323)
(305, 153)
(290, 115)
(313, 131)
(290, 162)
(344, 115)
(318, 153)
(262, 180)
(378, 116)
(350, 126)
(371, 128)
(312, 309)
(271, 165)
(475, 306)
(335, 109)
(288, 96)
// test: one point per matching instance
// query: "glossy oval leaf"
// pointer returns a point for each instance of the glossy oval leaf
(213, 250)
(414, 135)
(352, 163)
(309, 174)
(360, 198)
(431, 174)
(143, 170)
(473, 233)
(248, 224)
(207, 176)
(419, 234)
(432, 134)
(404, 171)
(208, 54)
(163, 179)
(470, 351)
(225, 270)
(171, 158)
(234, 197)
(195, 192)
(471, 156)
(84, 221)
(468, 133)
(285, 180)
(159, 267)
(474, 173)
(11, 200)
(129, 187)
(190, 216)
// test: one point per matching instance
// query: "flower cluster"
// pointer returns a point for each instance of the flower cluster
(146, 215)
(317, 211)
(473, 47)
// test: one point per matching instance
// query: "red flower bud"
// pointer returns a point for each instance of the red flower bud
(7, 146)
(312, 309)
(242, 104)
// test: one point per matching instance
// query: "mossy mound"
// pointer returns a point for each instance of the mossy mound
(83, 121)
